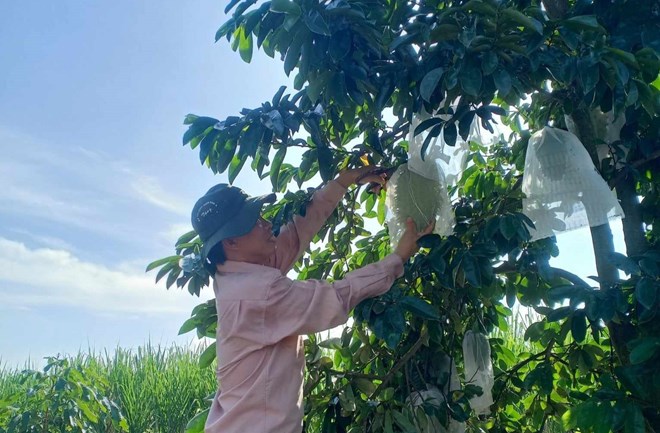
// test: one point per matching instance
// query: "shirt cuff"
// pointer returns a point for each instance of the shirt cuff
(395, 263)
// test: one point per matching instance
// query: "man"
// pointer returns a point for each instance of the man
(262, 314)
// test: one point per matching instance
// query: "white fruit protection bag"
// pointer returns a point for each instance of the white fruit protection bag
(478, 370)
(563, 190)
(418, 189)
(435, 398)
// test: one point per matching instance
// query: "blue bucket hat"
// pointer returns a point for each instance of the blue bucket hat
(224, 212)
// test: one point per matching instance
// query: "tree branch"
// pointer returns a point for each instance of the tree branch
(623, 173)
(507, 268)
(356, 375)
(400, 363)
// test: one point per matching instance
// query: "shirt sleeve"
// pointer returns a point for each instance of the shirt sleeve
(308, 306)
(295, 237)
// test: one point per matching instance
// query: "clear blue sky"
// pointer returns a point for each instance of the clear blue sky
(94, 182)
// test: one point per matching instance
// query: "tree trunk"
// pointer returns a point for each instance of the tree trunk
(633, 226)
(601, 236)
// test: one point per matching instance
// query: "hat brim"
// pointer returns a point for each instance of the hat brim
(240, 224)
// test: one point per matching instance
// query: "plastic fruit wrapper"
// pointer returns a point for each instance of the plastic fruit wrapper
(418, 190)
(563, 190)
(478, 370)
(433, 398)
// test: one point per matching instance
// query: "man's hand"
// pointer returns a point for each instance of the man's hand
(362, 175)
(407, 246)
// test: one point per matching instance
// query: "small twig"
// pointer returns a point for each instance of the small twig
(355, 375)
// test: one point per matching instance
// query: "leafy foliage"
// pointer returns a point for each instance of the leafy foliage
(363, 68)
(152, 389)
(61, 398)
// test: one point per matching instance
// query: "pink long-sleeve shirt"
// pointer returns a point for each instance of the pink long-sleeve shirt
(262, 316)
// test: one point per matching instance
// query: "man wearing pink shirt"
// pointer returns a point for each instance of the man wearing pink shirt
(262, 314)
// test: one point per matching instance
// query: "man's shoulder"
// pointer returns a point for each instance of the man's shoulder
(245, 286)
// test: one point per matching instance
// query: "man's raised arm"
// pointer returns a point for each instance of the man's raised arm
(296, 236)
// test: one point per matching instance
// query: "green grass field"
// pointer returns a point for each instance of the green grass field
(157, 389)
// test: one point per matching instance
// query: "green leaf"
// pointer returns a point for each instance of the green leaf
(381, 209)
(316, 86)
(480, 6)
(502, 81)
(278, 96)
(317, 24)
(634, 419)
(225, 158)
(402, 40)
(624, 56)
(340, 45)
(228, 27)
(568, 291)
(196, 424)
(231, 5)
(558, 314)
(624, 263)
(236, 166)
(429, 241)
(429, 83)
(90, 414)
(644, 350)
(165, 270)
(470, 79)
(420, 308)
(428, 123)
(285, 6)
(649, 267)
(489, 62)
(542, 376)
(275, 168)
(188, 325)
(582, 23)
(403, 422)
(511, 296)
(365, 385)
(293, 53)
(186, 237)
(198, 126)
(450, 134)
(161, 262)
(206, 145)
(433, 133)
(646, 292)
(465, 124)
(245, 46)
(471, 270)
(444, 32)
(518, 17)
(579, 326)
(508, 226)
(588, 72)
(326, 163)
(207, 357)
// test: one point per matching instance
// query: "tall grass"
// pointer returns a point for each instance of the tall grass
(515, 326)
(158, 389)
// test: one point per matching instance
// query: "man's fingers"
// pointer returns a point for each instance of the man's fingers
(372, 178)
(429, 228)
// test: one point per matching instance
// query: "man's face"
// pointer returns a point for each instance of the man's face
(258, 245)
